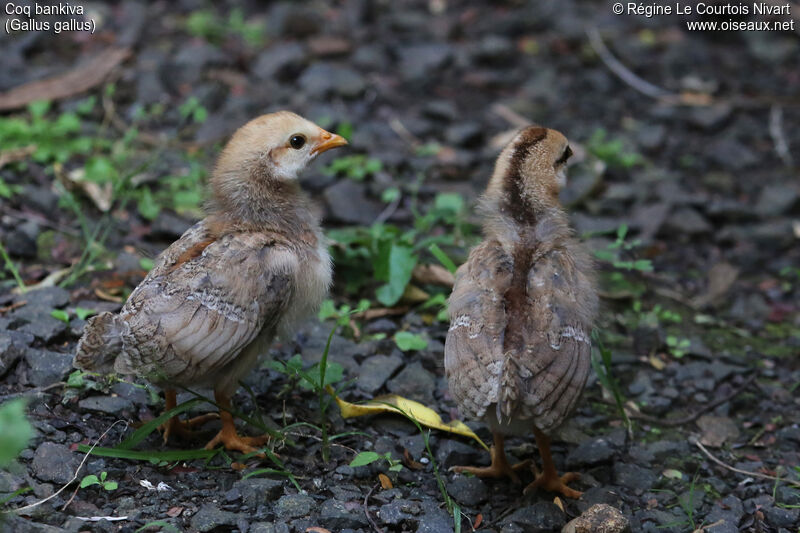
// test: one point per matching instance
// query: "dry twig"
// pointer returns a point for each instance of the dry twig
(631, 79)
(70, 83)
(694, 440)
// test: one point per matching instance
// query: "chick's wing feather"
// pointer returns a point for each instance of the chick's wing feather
(206, 300)
(552, 361)
(473, 349)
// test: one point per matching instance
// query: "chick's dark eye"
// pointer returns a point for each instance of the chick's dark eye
(563, 159)
(297, 141)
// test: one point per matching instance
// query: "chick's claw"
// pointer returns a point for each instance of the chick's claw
(551, 482)
(183, 429)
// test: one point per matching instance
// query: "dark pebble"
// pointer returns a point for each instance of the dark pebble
(54, 462)
(469, 491)
(46, 367)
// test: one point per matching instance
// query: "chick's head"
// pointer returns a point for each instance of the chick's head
(277, 146)
(530, 171)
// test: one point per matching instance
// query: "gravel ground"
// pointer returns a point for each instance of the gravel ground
(705, 346)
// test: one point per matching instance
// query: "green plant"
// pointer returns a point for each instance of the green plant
(452, 507)
(12, 268)
(207, 25)
(60, 314)
(391, 253)
(15, 430)
(686, 504)
(365, 458)
(601, 363)
(612, 151)
(92, 479)
(194, 110)
(678, 346)
(615, 250)
(356, 167)
(319, 378)
(408, 341)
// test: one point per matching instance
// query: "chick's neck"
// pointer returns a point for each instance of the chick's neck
(256, 202)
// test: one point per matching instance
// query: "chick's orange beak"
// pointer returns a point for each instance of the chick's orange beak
(328, 140)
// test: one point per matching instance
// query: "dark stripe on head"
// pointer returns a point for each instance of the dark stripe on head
(516, 203)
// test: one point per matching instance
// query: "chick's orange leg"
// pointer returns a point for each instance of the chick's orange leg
(181, 428)
(548, 479)
(228, 436)
(499, 467)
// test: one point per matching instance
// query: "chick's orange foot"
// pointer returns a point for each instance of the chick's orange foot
(552, 482)
(184, 429)
(231, 440)
(500, 466)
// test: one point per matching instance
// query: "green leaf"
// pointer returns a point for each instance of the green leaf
(100, 170)
(146, 263)
(327, 310)
(449, 201)
(154, 456)
(83, 313)
(60, 314)
(443, 258)
(147, 205)
(364, 458)
(110, 485)
(15, 430)
(165, 526)
(148, 427)
(398, 267)
(89, 480)
(406, 341)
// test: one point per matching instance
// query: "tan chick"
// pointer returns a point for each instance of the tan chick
(216, 298)
(518, 349)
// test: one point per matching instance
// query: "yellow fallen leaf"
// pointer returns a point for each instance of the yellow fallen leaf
(392, 403)
(558, 502)
(386, 483)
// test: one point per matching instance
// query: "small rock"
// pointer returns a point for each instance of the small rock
(717, 430)
(334, 515)
(45, 328)
(776, 200)
(375, 370)
(780, 517)
(348, 203)
(42, 199)
(590, 452)
(49, 297)
(294, 506)
(13, 345)
(282, 61)
(539, 517)
(168, 226)
(469, 491)
(453, 453)
(732, 154)
(323, 79)
(210, 517)
(20, 243)
(599, 518)
(686, 221)
(106, 404)
(466, 134)
(633, 476)
(46, 367)
(54, 462)
(418, 61)
(495, 50)
(257, 491)
(413, 382)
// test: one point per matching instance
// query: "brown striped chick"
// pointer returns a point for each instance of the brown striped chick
(518, 350)
(216, 298)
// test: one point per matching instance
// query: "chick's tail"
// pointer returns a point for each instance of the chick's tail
(101, 343)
